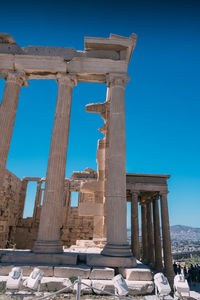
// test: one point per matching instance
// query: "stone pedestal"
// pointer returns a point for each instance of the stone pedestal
(51, 215)
(168, 264)
(115, 186)
(157, 238)
(21, 257)
(110, 261)
(8, 108)
(135, 226)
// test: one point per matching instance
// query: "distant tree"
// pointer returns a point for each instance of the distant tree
(194, 259)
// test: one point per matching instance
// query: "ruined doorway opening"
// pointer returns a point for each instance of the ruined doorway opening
(30, 199)
(74, 199)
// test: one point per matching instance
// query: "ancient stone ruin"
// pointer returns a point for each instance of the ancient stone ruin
(100, 217)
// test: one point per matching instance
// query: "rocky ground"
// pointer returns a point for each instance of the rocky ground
(68, 297)
(195, 290)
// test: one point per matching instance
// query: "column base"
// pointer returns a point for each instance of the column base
(48, 247)
(170, 276)
(122, 250)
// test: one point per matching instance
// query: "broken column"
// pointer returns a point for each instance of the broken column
(48, 240)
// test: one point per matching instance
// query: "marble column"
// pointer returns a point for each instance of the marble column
(157, 237)
(48, 240)
(8, 108)
(167, 252)
(115, 186)
(135, 226)
(144, 233)
(150, 234)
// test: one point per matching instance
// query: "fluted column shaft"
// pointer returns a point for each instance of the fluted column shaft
(50, 219)
(144, 232)
(8, 108)
(150, 234)
(157, 237)
(167, 252)
(135, 226)
(115, 187)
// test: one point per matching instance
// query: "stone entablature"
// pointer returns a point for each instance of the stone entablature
(100, 57)
(147, 182)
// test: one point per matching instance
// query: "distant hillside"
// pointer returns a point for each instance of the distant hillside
(181, 232)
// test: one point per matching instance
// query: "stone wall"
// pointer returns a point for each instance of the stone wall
(26, 233)
(10, 209)
(19, 232)
(76, 228)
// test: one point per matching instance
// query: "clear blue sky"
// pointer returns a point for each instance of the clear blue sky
(162, 97)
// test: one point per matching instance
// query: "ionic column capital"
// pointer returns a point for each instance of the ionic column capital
(17, 77)
(142, 202)
(134, 193)
(156, 197)
(149, 200)
(69, 79)
(165, 193)
(117, 79)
